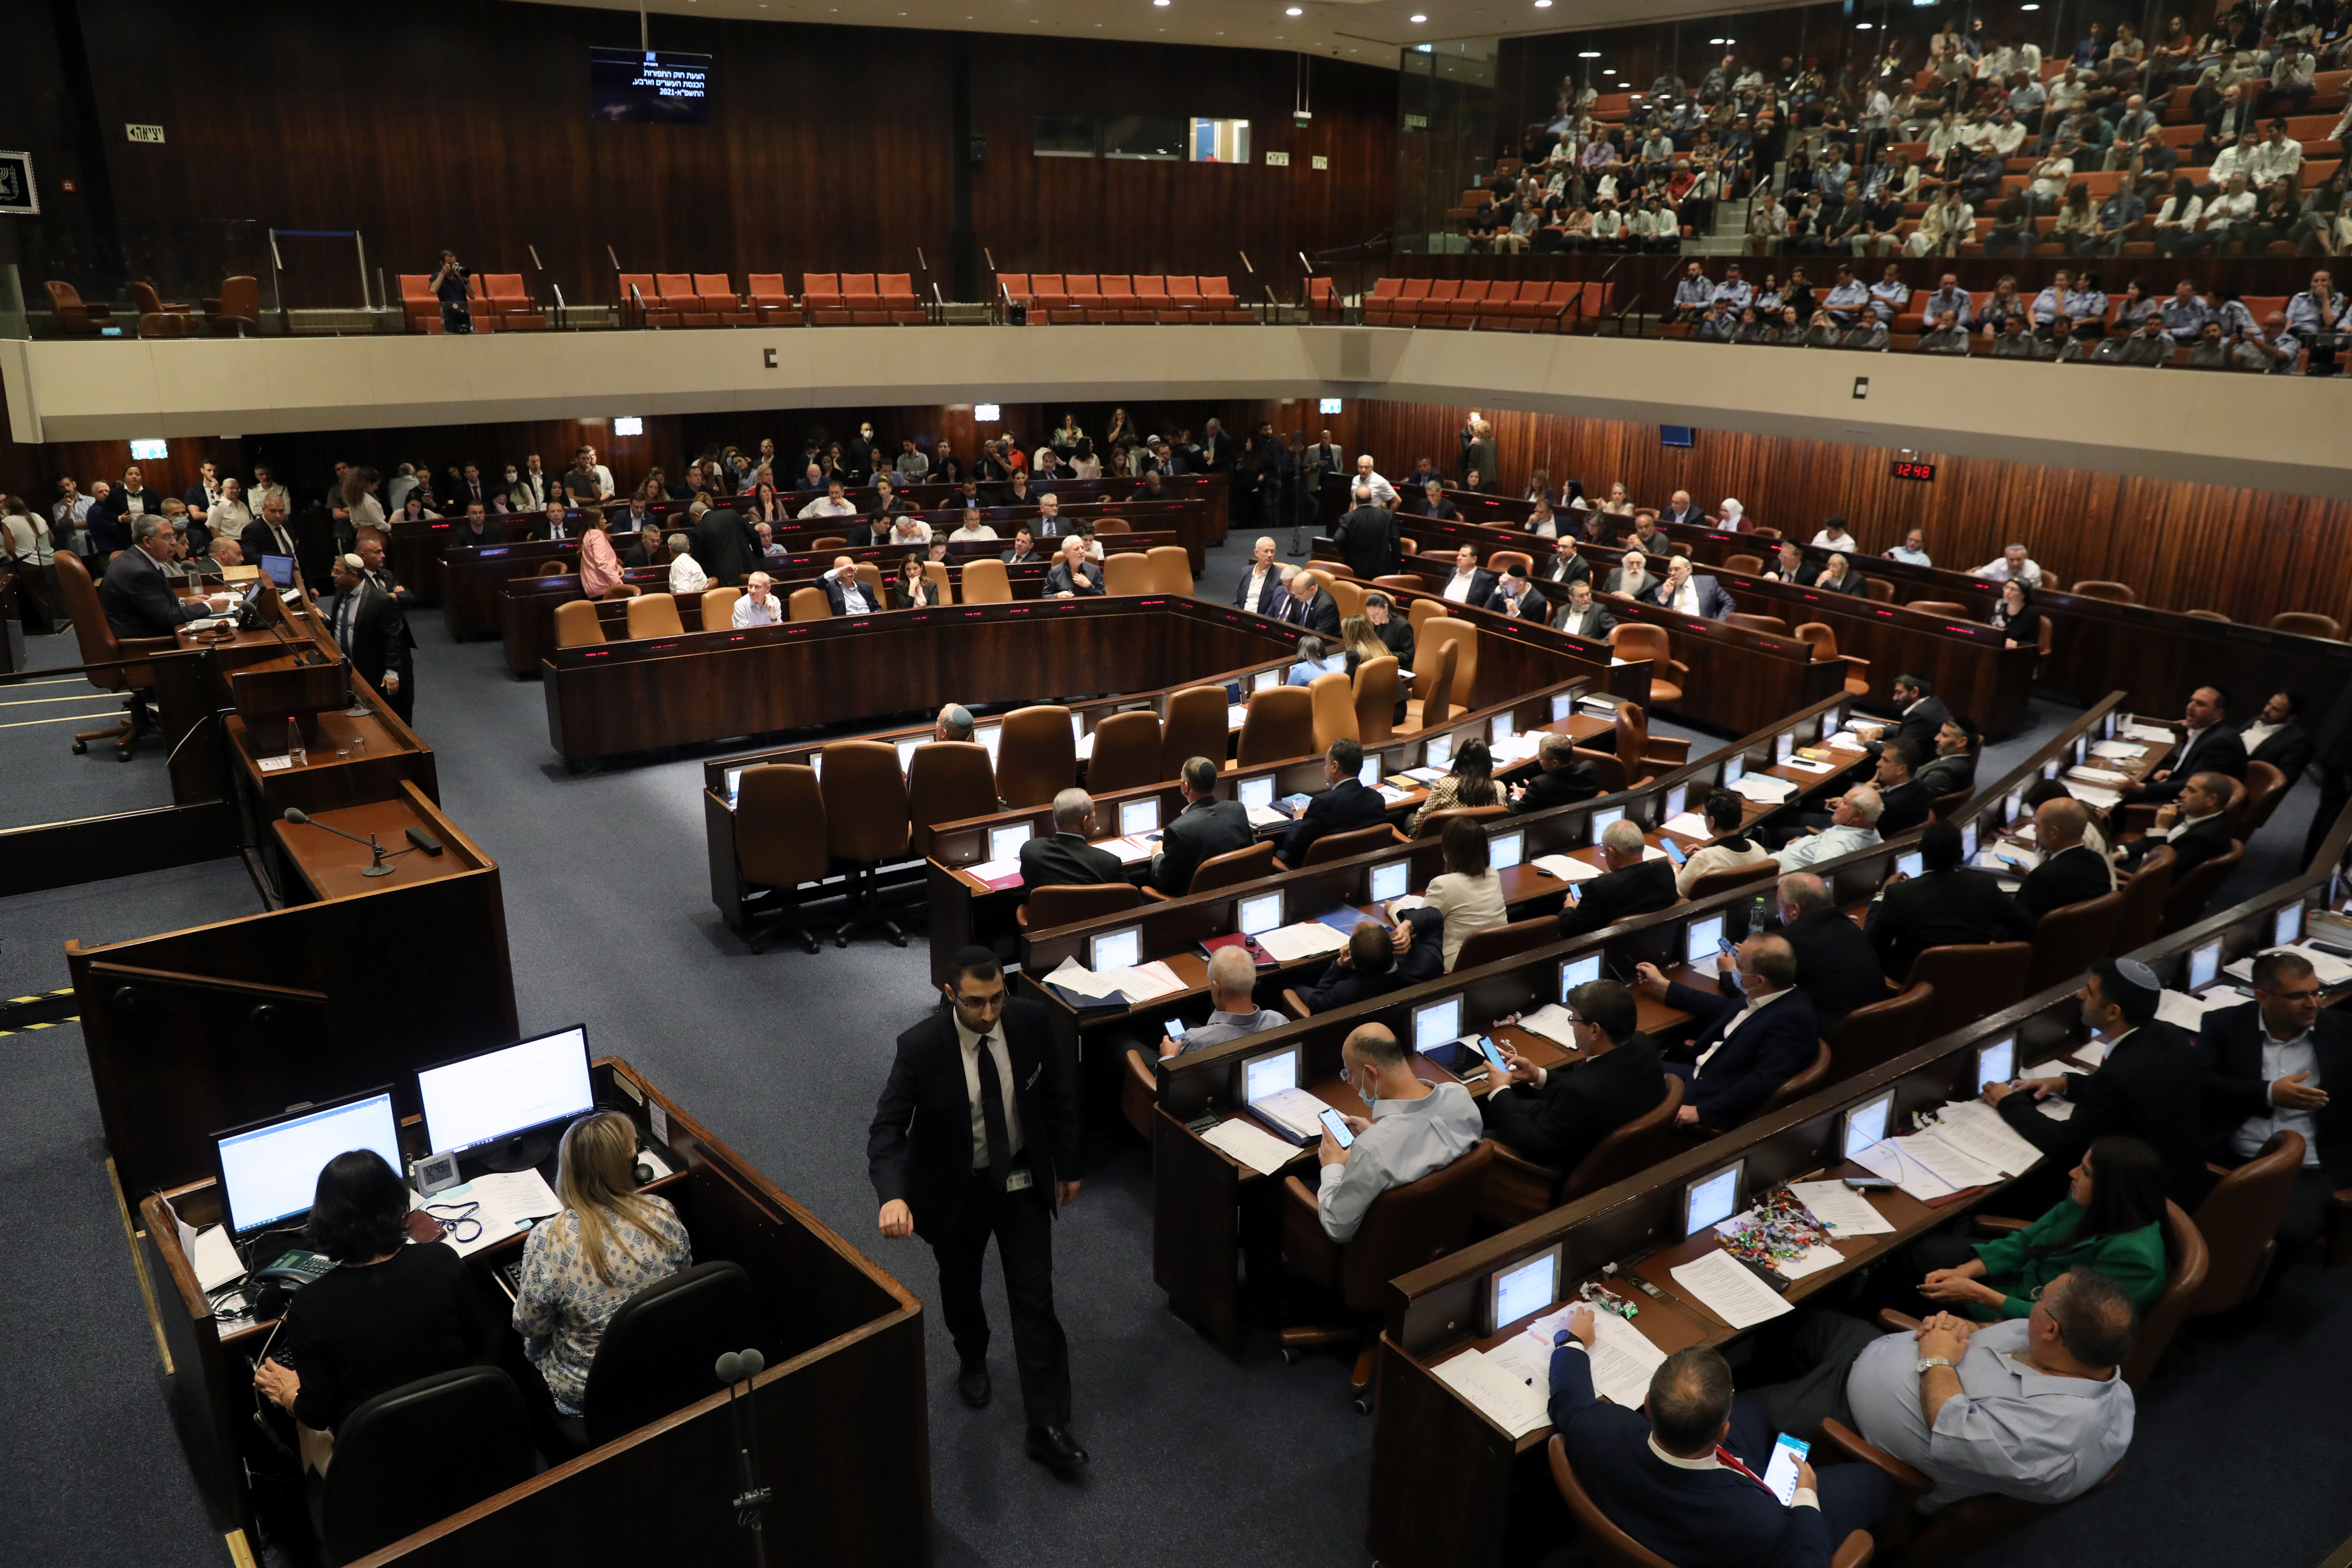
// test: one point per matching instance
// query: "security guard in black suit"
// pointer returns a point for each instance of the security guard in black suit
(976, 1135)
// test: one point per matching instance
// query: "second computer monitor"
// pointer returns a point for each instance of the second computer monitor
(516, 1090)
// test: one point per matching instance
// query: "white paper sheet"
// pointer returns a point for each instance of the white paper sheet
(1763, 789)
(214, 1256)
(2183, 1011)
(1253, 1145)
(1690, 824)
(508, 1202)
(2101, 776)
(2090, 1053)
(1236, 714)
(1948, 1159)
(1503, 1399)
(2152, 732)
(1622, 1358)
(1129, 849)
(1392, 795)
(1290, 944)
(1074, 976)
(2118, 751)
(1847, 741)
(989, 870)
(1265, 815)
(1839, 1207)
(1567, 868)
(1816, 1258)
(1889, 1160)
(1143, 981)
(1977, 1129)
(1552, 1022)
(2091, 795)
(1804, 766)
(1723, 1287)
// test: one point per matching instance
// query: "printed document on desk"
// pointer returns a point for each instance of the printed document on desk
(1252, 1145)
(1763, 789)
(1977, 1130)
(1566, 867)
(508, 1202)
(1622, 1356)
(2183, 1011)
(1294, 1109)
(1510, 1404)
(1290, 944)
(1552, 1022)
(1719, 1283)
(1843, 1210)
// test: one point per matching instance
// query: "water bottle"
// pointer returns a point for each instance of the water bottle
(1758, 913)
(294, 752)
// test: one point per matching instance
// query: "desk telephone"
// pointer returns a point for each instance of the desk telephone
(293, 1270)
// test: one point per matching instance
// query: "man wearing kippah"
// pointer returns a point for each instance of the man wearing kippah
(2145, 1085)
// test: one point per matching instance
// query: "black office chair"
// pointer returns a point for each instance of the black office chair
(658, 1351)
(414, 1454)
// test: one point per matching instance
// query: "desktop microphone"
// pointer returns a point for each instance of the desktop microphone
(380, 868)
(741, 1366)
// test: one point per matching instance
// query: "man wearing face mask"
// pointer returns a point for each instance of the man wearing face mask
(1415, 1128)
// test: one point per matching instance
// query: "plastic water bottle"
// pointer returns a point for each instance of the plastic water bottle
(294, 750)
(1758, 913)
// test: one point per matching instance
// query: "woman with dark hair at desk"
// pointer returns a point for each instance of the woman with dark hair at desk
(386, 1314)
(1471, 783)
(2017, 618)
(913, 590)
(609, 1243)
(600, 567)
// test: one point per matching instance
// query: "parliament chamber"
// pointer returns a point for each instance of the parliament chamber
(663, 668)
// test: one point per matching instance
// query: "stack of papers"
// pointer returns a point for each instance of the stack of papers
(506, 1203)
(2186, 1011)
(1969, 1146)
(997, 874)
(2092, 794)
(212, 1255)
(1552, 1022)
(1235, 714)
(1392, 795)
(2140, 731)
(1764, 789)
(1600, 707)
(1252, 1145)
(1623, 1359)
(1652, 852)
(2116, 750)
(2325, 967)
(1977, 1129)
(1130, 849)
(1517, 748)
(1265, 815)
(1500, 1394)
(1293, 1110)
(1721, 1284)
(1567, 867)
(1139, 984)
(1846, 1211)
(1847, 740)
(1290, 944)
(1690, 824)
(2100, 776)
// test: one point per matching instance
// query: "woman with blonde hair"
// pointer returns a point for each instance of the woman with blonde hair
(1358, 642)
(609, 1243)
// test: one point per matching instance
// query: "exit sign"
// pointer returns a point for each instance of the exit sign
(144, 132)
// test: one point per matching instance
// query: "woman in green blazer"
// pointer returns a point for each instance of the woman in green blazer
(2112, 1219)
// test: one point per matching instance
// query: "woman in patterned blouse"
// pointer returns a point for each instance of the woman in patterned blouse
(608, 1244)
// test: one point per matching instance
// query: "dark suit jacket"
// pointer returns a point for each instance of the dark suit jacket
(2066, 877)
(1713, 602)
(2218, 750)
(1564, 572)
(1640, 589)
(377, 641)
(1598, 622)
(257, 540)
(1942, 776)
(1217, 454)
(1424, 962)
(1577, 1106)
(638, 555)
(1202, 830)
(1397, 637)
(2190, 849)
(2147, 1087)
(1482, 586)
(1904, 807)
(1269, 595)
(919, 1147)
(2288, 750)
(1853, 583)
(1066, 859)
(109, 520)
(139, 603)
(1344, 807)
(1319, 615)
(1836, 965)
(1532, 605)
(1089, 580)
(1699, 1519)
(1922, 725)
(1940, 908)
(1616, 896)
(1573, 781)
(876, 599)
(725, 546)
(1366, 538)
(1779, 1042)
(2230, 1065)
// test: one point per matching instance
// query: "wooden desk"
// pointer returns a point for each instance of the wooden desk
(842, 1408)
(326, 866)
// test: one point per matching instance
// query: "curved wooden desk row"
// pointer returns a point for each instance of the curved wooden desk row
(842, 1338)
(1434, 1313)
(465, 579)
(2155, 655)
(1170, 930)
(1196, 1185)
(527, 606)
(1971, 668)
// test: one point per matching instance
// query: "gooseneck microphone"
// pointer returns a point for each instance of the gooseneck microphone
(743, 1366)
(378, 869)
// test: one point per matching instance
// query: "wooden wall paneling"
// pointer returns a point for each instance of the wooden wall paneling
(2247, 553)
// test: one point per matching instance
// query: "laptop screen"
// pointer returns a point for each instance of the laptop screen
(1269, 1074)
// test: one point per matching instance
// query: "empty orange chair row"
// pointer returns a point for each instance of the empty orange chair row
(1135, 300)
(861, 300)
(1508, 306)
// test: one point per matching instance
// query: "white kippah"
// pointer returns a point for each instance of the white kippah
(354, 563)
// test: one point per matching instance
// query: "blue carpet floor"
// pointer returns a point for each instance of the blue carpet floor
(1199, 1458)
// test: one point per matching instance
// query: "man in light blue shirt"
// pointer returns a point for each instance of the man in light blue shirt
(1913, 551)
(2185, 314)
(1950, 297)
(1415, 1128)
(1693, 295)
(2033, 1408)
(1735, 288)
(1890, 295)
(1846, 300)
(758, 606)
(1853, 825)
(1233, 977)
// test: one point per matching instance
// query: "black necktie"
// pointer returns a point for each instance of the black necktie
(992, 1115)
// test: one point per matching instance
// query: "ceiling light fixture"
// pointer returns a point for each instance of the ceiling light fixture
(1292, 11)
(1421, 18)
(1588, 54)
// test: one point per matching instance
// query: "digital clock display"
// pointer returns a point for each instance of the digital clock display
(1905, 468)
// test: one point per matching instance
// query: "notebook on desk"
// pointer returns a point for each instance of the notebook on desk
(1270, 1089)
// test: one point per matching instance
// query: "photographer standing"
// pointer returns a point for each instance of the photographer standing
(449, 288)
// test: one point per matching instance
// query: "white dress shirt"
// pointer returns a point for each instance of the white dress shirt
(826, 506)
(687, 576)
(2283, 1059)
(1686, 599)
(750, 613)
(855, 600)
(1755, 1005)
(1457, 587)
(1012, 1144)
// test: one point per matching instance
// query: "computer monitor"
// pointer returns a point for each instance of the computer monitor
(1829, 726)
(1504, 849)
(1436, 1024)
(1996, 1061)
(1911, 864)
(2082, 748)
(1121, 948)
(816, 764)
(1711, 1199)
(2286, 926)
(1138, 816)
(1004, 843)
(989, 736)
(1270, 1074)
(1605, 819)
(734, 785)
(1677, 802)
(1077, 729)
(278, 569)
(1784, 745)
(1575, 971)
(1523, 1288)
(1263, 912)
(1263, 679)
(2050, 769)
(1866, 1124)
(1734, 768)
(1439, 752)
(1699, 938)
(1563, 706)
(507, 1096)
(907, 752)
(2204, 964)
(269, 1169)
(1369, 775)
(1498, 729)
(2108, 725)
(1390, 880)
(2016, 806)
(1257, 791)
(1968, 841)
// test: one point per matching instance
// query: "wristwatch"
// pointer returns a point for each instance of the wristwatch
(1927, 1361)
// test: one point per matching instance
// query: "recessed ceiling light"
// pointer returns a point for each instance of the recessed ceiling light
(1862, 27)
(1588, 54)
(1421, 18)
(2029, 7)
(1292, 11)
(1543, 4)
(1608, 71)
